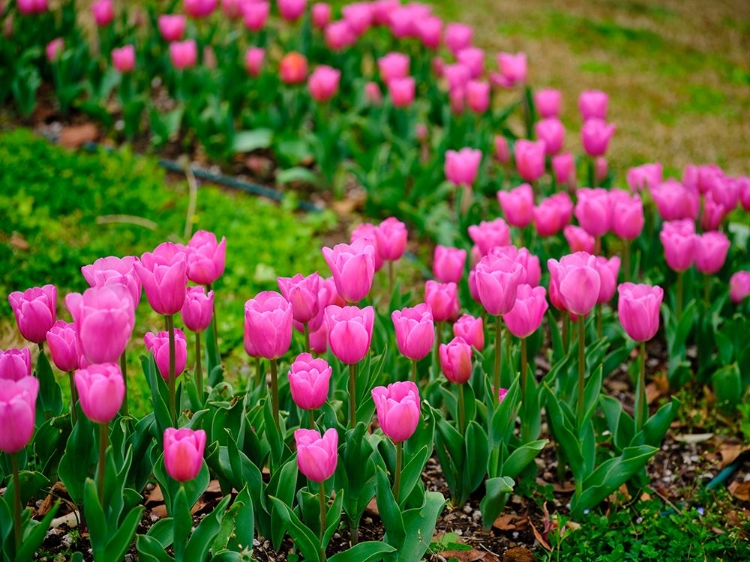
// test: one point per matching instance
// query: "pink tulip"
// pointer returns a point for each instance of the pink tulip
(352, 267)
(114, 271)
(713, 213)
(518, 205)
(578, 239)
(512, 69)
(321, 14)
(743, 187)
(430, 31)
(317, 456)
(123, 59)
(35, 310)
(528, 311)
(293, 68)
(233, 8)
(595, 135)
(359, 17)
(472, 281)
(679, 248)
(593, 210)
(391, 235)
(722, 188)
(457, 98)
(164, 276)
(608, 270)
(448, 264)
(577, 280)
(393, 65)
(323, 83)
(490, 234)
(255, 15)
(552, 132)
(627, 214)
(254, 57)
(532, 270)
(54, 49)
(457, 76)
(502, 151)
(349, 332)
(552, 214)
(172, 27)
(183, 453)
(339, 36)
(184, 54)
(646, 176)
(291, 10)
(373, 94)
(478, 96)
(593, 104)
(198, 309)
(103, 12)
(319, 339)
(368, 232)
(455, 360)
(206, 258)
(302, 293)
(547, 102)
(739, 286)
(601, 169)
(32, 6)
(268, 325)
(415, 331)
(458, 36)
(674, 201)
(15, 364)
(402, 91)
(443, 300)
(471, 330)
(158, 344)
(17, 412)
(101, 390)
(638, 307)
(711, 252)
(398, 409)
(309, 381)
(497, 280)
(564, 168)
(327, 295)
(200, 8)
(530, 159)
(473, 59)
(462, 167)
(62, 342)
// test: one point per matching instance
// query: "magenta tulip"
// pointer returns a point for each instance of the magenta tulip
(448, 264)
(123, 59)
(35, 310)
(443, 300)
(255, 15)
(158, 344)
(308, 381)
(518, 205)
(713, 213)
(206, 258)
(101, 390)
(373, 95)
(54, 48)
(497, 281)
(595, 136)
(164, 277)
(608, 270)
(578, 239)
(17, 413)
(63, 346)
(172, 27)
(114, 271)
(458, 36)
(103, 12)
(547, 102)
(317, 456)
(402, 91)
(577, 280)
(627, 214)
(302, 293)
(349, 332)
(321, 14)
(353, 268)
(369, 233)
(15, 364)
(398, 409)
(471, 330)
(455, 360)
(461, 167)
(478, 96)
(512, 70)
(711, 252)
(473, 59)
(457, 76)
(198, 309)
(675, 201)
(532, 269)
(552, 214)
(528, 311)
(200, 8)
(502, 150)
(564, 168)
(739, 286)
(292, 10)
(530, 159)
(183, 453)
(323, 83)
(268, 325)
(593, 104)
(552, 132)
(32, 6)
(391, 235)
(638, 307)
(679, 247)
(415, 331)
(393, 65)
(430, 31)
(184, 54)
(646, 176)
(338, 36)
(487, 235)
(593, 210)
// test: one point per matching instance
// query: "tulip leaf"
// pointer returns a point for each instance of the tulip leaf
(163, 531)
(521, 457)
(565, 435)
(95, 519)
(119, 544)
(31, 483)
(193, 488)
(79, 460)
(419, 525)
(273, 435)
(389, 511)
(243, 521)
(182, 523)
(333, 516)
(477, 455)
(620, 424)
(50, 394)
(727, 385)
(303, 538)
(151, 550)
(503, 419)
(412, 473)
(159, 393)
(370, 551)
(33, 539)
(656, 426)
(247, 141)
(497, 492)
(282, 486)
(592, 390)
(205, 533)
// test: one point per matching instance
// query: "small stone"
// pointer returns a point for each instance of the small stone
(256, 542)
(459, 532)
(468, 509)
(267, 545)
(476, 516)
(368, 520)
(336, 535)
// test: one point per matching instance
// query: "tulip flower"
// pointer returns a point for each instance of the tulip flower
(430, 31)
(197, 311)
(62, 341)
(200, 8)
(28, 7)
(443, 300)
(547, 102)
(593, 104)
(172, 27)
(608, 270)
(323, 83)
(317, 456)
(369, 233)
(206, 258)
(552, 132)
(595, 135)
(461, 167)
(679, 247)
(564, 168)
(532, 269)
(478, 96)
(415, 333)
(103, 12)
(473, 59)
(15, 364)
(293, 68)
(675, 201)
(308, 382)
(184, 54)
(512, 70)
(601, 169)
(502, 151)
(255, 15)
(458, 36)
(183, 453)
(456, 365)
(743, 187)
(393, 65)
(302, 293)
(594, 211)
(338, 36)
(54, 48)
(372, 93)
(713, 213)
(646, 176)
(100, 390)
(471, 330)
(358, 15)
(578, 239)
(638, 307)
(35, 310)
(164, 277)
(448, 264)
(158, 344)
(321, 14)
(123, 59)
(391, 235)
(487, 235)
(518, 205)
(114, 271)
(739, 286)
(552, 214)
(353, 268)
(402, 91)
(710, 252)
(457, 75)
(530, 159)
(292, 10)
(627, 220)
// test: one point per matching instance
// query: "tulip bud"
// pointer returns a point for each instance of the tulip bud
(123, 59)
(323, 83)
(402, 91)
(595, 136)
(739, 286)
(638, 307)
(308, 381)
(183, 453)
(293, 68)
(291, 10)
(415, 331)
(317, 456)
(458, 36)
(577, 280)
(448, 264)
(103, 12)
(321, 14)
(497, 282)
(461, 167)
(158, 344)
(487, 235)
(552, 132)
(15, 364)
(443, 300)
(255, 15)
(518, 205)
(455, 360)
(547, 102)
(471, 330)
(593, 104)
(528, 311)
(198, 309)
(268, 325)
(530, 159)
(353, 268)
(172, 27)
(594, 210)
(398, 409)
(711, 252)
(62, 342)
(17, 413)
(349, 332)
(164, 277)
(392, 66)
(101, 390)
(35, 310)
(200, 8)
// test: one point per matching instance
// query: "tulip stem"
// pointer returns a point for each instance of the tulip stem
(438, 329)
(581, 366)
(306, 331)
(124, 371)
(257, 371)
(626, 259)
(592, 171)
(498, 356)
(275, 391)
(215, 327)
(311, 415)
(16, 500)
(599, 320)
(103, 438)
(678, 308)
(461, 410)
(352, 395)
(399, 463)
(598, 246)
(414, 371)
(390, 280)
(322, 495)
(526, 405)
(565, 329)
(707, 291)
(642, 408)
(172, 400)
(73, 397)
(198, 366)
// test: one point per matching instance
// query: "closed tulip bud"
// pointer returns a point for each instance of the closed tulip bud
(593, 104)
(198, 309)
(308, 381)
(319, 339)
(32, 6)
(679, 248)
(743, 187)
(268, 325)
(471, 330)
(713, 213)
(443, 300)
(103, 12)
(184, 54)
(502, 150)
(531, 268)
(373, 94)
(458, 99)
(391, 235)
(530, 159)
(528, 311)
(518, 205)
(114, 271)
(104, 318)
(601, 169)
(183, 453)
(564, 168)
(164, 277)
(462, 167)
(457, 75)
(675, 202)
(123, 59)
(638, 307)
(577, 280)
(17, 413)
(338, 36)
(472, 281)
(627, 214)
(430, 31)
(172, 27)
(206, 258)
(353, 268)
(552, 132)
(254, 58)
(578, 239)
(608, 270)
(368, 232)
(62, 342)
(321, 14)
(293, 68)
(478, 96)
(393, 65)
(739, 286)
(402, 91)
(595, 135)
(594, 211)
(302, 293)
(255, 15)
(497, 281)
(233, 8)
(101, 390)
(547, 102)
(200, 8)
(323, 83)
(349, 332)
(646, 176)
(455, 360)
(458, 36)
(415, 331)
(292, 10)
(552, 214)
(54, 48)
(317, 456)
(512, 70)
(448, 264)
(158, 344)
(397, 406)
(35, 310)
(490, 234)
(711, 252)
(15, 364)
(473, 59)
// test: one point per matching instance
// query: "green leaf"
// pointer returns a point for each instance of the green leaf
(123, 538)
(656, 427)
(182, 523)
(389, 510)
(521, 457)
(412, 472)
(419, 524)
(163, 531)
(497, 492)
(79, 460)
(591, 394)
(151, 550)
(306, 541)
(477, 455)
(95, 518)
(621, 425)
(727, 385)
(247, 141)
(370, 551)
(283, 488)
(566, 435)
(33, 539)
(333, 517)
(203, 536)
(50, 394)
(503, 420)
(297, 174)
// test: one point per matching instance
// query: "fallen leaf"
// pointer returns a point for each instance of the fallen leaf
(741, 491)
(653, 393)
(694, 438)
(213, 487)
(730, 452)
(469, 556)
(510, 522)
(539, 537)
(155, 496)
(74, 137)
(564, 487)
(18, 243)
(372, 508)
(520, 554)
(160, 511)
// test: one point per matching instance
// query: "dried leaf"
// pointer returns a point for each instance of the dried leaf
(469, 556)
(213, 487)
(521, 554)
(694, 438)
(510, 522)
(372, 508)
(160, 511)
(741, 491)
(539, 537)
(564, 487)
(155, 496)
(74, 137)
(730, 451)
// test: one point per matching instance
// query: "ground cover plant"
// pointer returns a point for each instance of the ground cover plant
(359, 395)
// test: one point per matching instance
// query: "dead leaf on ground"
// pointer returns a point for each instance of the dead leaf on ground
(564, 487)
(510, 522)
(741, 491)
(693, 438)
(159, 511)
(155, 496)
(519, 554)
(469, 556)
(538, 537)
(372, 508)
(19, 243)
(730, 451)
(213, 487)
(74, 137)
(348, 206)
